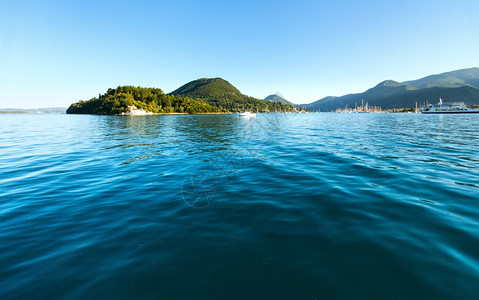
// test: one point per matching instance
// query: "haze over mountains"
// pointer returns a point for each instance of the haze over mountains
(461, 85)
(278, 99)
(464, 77)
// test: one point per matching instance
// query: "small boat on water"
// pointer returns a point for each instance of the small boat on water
(448, 108)
(247, 114)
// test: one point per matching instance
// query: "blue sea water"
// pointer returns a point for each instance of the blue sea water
(307, 206)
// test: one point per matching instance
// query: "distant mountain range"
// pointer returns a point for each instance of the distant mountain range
(460, 85)
(50, 110)
(213, 95)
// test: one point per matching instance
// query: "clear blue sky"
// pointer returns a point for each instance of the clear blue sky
(53, 53)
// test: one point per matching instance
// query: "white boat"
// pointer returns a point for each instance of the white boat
(448, 108)
(247, 114)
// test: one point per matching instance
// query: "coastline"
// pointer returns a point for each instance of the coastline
(168, 114)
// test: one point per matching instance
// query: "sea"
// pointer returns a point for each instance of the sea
(277, 206)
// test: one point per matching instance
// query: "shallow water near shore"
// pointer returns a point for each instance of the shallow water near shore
(304, 206)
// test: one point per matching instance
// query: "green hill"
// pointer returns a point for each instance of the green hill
(116, 101)
(222, 94)
(207, 88)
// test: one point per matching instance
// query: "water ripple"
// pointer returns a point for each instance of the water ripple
(281, 205)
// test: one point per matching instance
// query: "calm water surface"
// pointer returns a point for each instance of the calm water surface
(307, 206)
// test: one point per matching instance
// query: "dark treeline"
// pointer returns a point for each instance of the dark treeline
(239, 103)
(116, 101)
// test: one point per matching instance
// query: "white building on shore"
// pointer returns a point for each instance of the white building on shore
(133, 110)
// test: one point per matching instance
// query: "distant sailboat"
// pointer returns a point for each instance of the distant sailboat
(364, 110)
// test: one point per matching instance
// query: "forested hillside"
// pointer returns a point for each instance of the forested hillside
(116, 101)
(220, 93)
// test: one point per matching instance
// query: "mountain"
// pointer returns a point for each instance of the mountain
(222, 94)
(458, 78)
(376, 96)
(387, 88)
(460, 85)
(278, 99)
(397, 99)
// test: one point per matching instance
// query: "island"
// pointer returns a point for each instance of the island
(202, 96)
